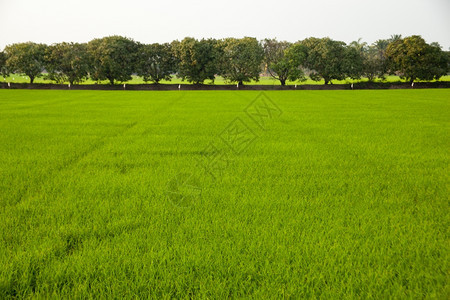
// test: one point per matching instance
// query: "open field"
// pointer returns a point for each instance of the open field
(333, 194)
(218, 81)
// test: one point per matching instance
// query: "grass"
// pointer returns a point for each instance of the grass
(264, 80)
(343, 195)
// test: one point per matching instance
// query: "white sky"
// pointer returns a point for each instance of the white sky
(50, 21)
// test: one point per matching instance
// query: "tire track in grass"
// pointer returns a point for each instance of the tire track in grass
(66, 164)
(78, 157)
(48, 103)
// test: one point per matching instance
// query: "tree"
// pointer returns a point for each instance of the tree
(26, 58)
(156, 62)
(375, 61)
(325, 59)
(242, 59)
(353, 64)
(3, 69)
(394, 38)
(281, 63)
(297, 54)
(112, 58)
(447, 53)
(414, 59)
(198, 60)
(67, 62)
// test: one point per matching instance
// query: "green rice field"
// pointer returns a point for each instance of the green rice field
(225, 194)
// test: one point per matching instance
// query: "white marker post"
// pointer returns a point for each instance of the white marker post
(9, 84)
(124, 85)
(296, 86)
(352, 86)
(179, 87)
(237, 85)
(412, 84)
(69, 85)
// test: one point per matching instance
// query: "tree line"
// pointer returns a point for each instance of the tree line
(116, 58)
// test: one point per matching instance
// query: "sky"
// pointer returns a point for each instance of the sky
(52, 21)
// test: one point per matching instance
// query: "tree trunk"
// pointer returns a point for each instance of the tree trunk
(326, 80)
(241, 83)
(111, 81)
(31, 79)
(283, 82)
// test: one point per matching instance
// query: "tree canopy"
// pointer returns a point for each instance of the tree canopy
(198, 60)
(117, 58)
(112, 58)
(26, 58)
(374, 60)
(156, 62)
(325, 59)
(241, 59)
(3, 69)
(414, 59)
(281, 62)
(67, 62)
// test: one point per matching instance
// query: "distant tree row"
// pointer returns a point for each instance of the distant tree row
(116, 58)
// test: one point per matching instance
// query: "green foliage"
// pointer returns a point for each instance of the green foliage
(197, 60)
(395, 38)
(447, 53)
(345, 195)
(116, 58)
(113, 58)
(241, 60)
(326, 58)
(156, 62)
(67, 62)
(414, 59)
(3, 69)
(354, 59)
(375, 64)
(281, 63)
(26, 58)
(297, 54)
